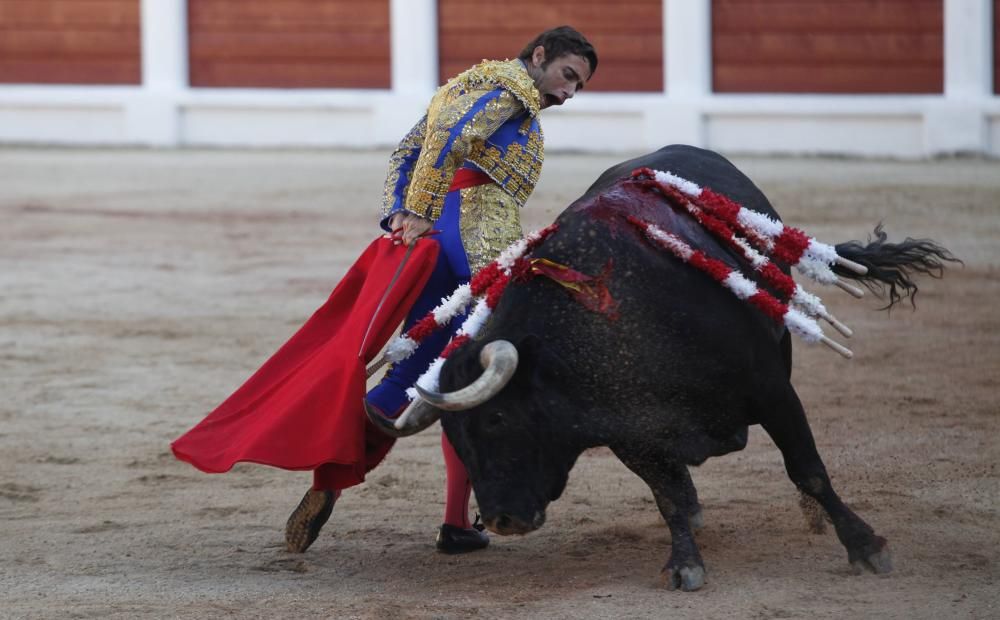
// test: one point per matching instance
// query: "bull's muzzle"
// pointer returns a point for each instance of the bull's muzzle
(505, 524)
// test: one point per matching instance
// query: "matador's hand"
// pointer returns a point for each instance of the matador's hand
(408, 227)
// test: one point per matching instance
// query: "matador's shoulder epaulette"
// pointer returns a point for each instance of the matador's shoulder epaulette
(507, 74)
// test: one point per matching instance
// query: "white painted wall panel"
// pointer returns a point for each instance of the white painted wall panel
(993, 132)
(276, 127)
(63, 124)
(589, 131)
(869, 136)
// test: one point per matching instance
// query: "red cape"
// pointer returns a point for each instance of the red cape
(303, 407)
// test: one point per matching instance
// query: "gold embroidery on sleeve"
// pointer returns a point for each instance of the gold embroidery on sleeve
(517, 169)
(411, 141)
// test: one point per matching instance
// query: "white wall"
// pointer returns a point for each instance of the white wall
(165, 112)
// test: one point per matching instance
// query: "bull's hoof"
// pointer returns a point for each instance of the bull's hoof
(687, 578)
(879, 562)
(308, 518)
(873, 557)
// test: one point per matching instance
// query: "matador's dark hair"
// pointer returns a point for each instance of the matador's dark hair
(560, 42)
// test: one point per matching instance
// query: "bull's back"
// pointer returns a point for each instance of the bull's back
(671, 315)
(614, 198)
(701, 166)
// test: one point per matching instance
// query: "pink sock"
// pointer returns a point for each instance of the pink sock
(457, 487)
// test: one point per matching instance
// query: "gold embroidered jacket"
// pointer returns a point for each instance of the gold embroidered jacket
(484, 118)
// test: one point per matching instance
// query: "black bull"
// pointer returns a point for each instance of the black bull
(676, 378)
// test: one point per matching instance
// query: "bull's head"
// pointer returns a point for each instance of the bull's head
(506, 412)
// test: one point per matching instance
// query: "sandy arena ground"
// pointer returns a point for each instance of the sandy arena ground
(139, 288)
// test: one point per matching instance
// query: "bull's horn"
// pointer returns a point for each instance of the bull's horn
(417, 416)
(499, 358)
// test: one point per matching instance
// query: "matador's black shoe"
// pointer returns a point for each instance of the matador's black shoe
(307, 520)
(452, 539)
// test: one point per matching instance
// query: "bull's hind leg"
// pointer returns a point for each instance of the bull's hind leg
(677, 500)
(785, 421)
(692, 506)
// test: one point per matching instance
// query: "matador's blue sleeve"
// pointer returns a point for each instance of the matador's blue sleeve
(401, 165)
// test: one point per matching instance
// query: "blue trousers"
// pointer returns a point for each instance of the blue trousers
(450, 271)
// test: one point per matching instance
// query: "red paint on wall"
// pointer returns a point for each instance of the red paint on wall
(289, 43)
(818, 46)
(70, 42)
(627, 34)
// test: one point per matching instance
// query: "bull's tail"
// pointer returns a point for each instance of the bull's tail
(892, 265)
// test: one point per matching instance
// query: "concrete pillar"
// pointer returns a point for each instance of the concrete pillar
(687, 47)
(413, 29)
(152, 115)
(958, 125)
(687, 50)
(968, 49)
(414, 42)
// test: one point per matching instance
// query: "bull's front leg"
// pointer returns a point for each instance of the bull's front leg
(677, 500)
(787, 425)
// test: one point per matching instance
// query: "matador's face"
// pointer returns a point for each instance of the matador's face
(560, 79)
